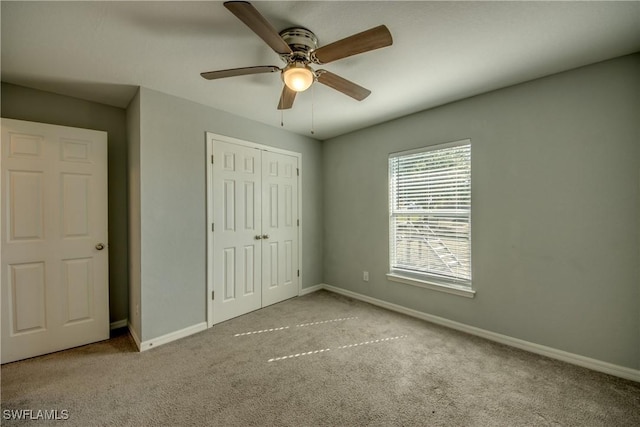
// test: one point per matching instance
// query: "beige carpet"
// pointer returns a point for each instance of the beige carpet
(321, 359)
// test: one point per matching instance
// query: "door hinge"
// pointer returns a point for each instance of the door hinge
(298, 273)
(298, 171)
(212, 159)
(213, 295)
(213, 227)
(298, 223)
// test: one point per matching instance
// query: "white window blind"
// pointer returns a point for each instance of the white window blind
(430, 213)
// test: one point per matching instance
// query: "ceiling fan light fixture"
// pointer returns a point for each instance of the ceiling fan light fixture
(298, 76)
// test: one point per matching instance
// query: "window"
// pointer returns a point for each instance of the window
(430, 216)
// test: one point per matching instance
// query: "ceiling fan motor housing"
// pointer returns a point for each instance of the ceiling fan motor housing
(301, 41)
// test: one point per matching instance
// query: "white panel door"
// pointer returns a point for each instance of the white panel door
(237, 236)
(279, 227)
(254, 242)
(54, 272)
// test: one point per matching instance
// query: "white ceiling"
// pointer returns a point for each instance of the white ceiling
(442, 52)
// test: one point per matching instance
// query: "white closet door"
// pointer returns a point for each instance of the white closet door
(55, 290)
(279, 227)
(236, 239)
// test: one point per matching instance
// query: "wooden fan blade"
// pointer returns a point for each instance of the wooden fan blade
(248, 14)
(371, 39)
(342, 85)
(212, 75)
(286, 98)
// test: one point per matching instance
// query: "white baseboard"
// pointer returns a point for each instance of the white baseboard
(119, 324)
(310, 289)
(575, 359)
(164, 339)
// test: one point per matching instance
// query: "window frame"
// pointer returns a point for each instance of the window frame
(425, 279)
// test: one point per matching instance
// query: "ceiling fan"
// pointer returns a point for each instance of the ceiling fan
(298, 47)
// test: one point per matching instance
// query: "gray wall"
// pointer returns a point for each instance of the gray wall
(133, 145)
(173, 211)
(555, 210)
(37, 106)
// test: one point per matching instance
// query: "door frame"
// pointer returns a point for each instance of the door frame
(210, 139)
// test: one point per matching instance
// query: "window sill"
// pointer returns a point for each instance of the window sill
(450, 289)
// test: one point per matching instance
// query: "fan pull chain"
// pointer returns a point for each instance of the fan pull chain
(282, 118)
(312, 99)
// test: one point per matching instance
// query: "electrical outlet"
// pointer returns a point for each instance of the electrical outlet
(365, 276)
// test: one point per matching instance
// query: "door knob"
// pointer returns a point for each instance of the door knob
(258, 237)
(100, 246)
(265, 236)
